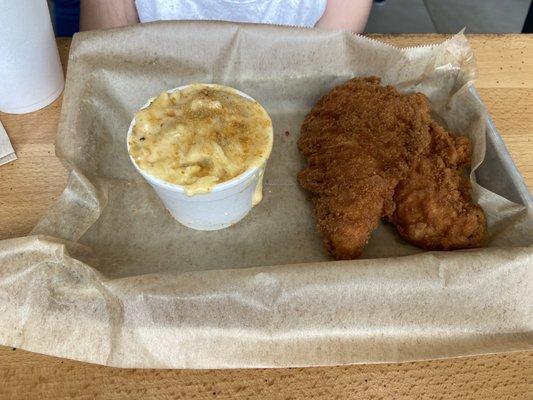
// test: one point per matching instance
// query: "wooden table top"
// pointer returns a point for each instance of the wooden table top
(36, 179)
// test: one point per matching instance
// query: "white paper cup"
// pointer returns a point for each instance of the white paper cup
(226, 204)
(31, 76)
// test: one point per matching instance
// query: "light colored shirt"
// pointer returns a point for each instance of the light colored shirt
(282, 12)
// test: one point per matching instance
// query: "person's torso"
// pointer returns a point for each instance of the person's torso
(283, 12)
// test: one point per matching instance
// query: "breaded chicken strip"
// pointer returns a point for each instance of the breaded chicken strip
(434, 208)
(360, 140)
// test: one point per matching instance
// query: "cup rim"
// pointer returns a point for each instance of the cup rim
(219, 187)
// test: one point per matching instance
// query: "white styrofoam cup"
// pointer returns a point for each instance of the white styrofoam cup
(226, 204)
(31, 76)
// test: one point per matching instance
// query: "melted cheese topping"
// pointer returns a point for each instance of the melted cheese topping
(200, 136)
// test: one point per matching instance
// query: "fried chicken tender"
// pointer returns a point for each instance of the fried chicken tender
(434, 208)
(360, 140)
(372, 153)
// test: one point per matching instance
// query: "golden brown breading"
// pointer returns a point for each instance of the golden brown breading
(360, 140)
(433, 204)
(373, 152)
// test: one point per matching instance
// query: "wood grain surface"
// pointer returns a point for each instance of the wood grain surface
(30, 185)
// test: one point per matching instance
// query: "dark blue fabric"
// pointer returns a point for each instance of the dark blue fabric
(528, 24)
(67, 17)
